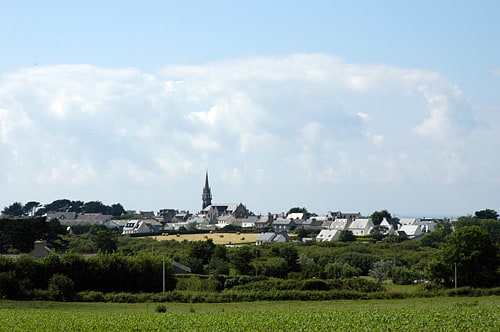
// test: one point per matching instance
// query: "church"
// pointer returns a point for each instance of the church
(214, 211)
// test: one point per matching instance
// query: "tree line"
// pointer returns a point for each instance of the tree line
(34, 208)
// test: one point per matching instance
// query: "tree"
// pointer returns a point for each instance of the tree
(347, 236)
(381, 270)
(106, 240)
(378, 232)
(16, 209)
(240, 260)
(378, 216)
(300, 210)
(30, 208)
(486, 214)
(475, 254)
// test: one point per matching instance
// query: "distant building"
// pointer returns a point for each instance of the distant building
(206, 196)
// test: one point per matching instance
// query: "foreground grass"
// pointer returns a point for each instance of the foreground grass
(430, 314)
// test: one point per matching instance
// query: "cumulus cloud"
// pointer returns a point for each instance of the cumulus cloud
(256, 123)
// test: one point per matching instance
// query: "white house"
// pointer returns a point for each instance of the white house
(339, 224)
(326, 235)
(361, 226)
(411, 231)
(135, 226)
(225, 220)
(388, 225)
(295, 216)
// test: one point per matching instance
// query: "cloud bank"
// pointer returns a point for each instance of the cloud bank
(274, 132)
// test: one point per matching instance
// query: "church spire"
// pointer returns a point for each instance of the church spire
(207, 195)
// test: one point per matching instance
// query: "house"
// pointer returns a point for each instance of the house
(295, 216)
(339, 224)
(89, 218)
(61, 216)
(40, 250)
(361, 226)
(179, 268)
(269, 237)
(411, 231)
(341, 215)
(390, 228)
(249, 222)
(426, 224)
(283, 225)
(225, 220)
(119, 224)
(263, 221)
(326, 235)
(213, 211)
(142, 226)
(147, 214)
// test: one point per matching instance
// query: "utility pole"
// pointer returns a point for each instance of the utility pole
(456, 276)
(163, 275)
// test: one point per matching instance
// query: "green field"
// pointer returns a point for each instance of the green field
(431, 314)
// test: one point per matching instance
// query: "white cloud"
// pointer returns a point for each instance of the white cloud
(291, 124)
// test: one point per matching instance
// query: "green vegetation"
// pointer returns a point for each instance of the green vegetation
(443, 314)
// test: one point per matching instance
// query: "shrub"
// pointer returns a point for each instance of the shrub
(61, 288)
(314, 284)
(161, 308)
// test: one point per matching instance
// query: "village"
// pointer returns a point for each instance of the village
(273, 227)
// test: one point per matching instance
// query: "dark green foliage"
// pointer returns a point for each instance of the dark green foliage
(378, 216)
(14, 210)
(362, 261)
(486, 214)
(19, 235)
(475, 254)
(61, 288)
(241, 259)
(314, 284)
(347, 236)
(401, 275)
(341, 270)
(106, 240)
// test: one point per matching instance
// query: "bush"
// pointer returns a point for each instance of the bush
(61, 288)
(314, 284)
(161, 308)
(403, 276)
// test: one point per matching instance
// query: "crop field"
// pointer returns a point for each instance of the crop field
(457, 314)
(217, 238)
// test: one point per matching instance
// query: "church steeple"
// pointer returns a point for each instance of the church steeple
(207, 195)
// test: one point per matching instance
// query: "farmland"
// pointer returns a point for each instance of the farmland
(437, 314)
(217, 238)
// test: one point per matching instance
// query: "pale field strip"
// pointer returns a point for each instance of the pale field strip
(217, 238)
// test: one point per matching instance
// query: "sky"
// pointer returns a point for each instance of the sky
(352, 106)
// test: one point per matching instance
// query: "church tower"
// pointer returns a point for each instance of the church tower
(207, 195)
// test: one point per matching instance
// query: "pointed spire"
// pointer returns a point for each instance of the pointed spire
(206, 197)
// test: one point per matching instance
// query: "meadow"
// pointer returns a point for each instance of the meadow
(431, 314)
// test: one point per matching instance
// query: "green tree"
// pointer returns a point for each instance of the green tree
(240, 260)
(347, 236)
(486, 214)
(381, 270)
(106, 240)
(61, 288)
(30, 208)
(16, 209)
(378, 232)
(378, 216)
(476, 256)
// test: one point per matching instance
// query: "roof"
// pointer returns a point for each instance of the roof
(327, 234)
(295, 215)
(266, 237)
(360, 223)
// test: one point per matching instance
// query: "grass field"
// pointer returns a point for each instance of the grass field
(217, 238)
(431, 314)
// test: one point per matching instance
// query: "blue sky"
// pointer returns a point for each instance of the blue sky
(332, 105)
